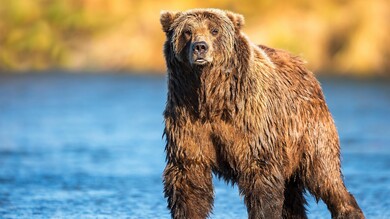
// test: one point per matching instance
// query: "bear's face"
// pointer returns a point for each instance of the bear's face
(201, 36)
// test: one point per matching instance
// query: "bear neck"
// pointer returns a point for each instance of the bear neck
(209, 92)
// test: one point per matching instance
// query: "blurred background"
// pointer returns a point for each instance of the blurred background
(336, 36)
(83, 88)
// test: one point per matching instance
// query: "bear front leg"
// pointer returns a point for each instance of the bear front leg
(263, 193)
(189, 190)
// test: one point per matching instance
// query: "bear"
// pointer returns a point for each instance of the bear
(252, 115)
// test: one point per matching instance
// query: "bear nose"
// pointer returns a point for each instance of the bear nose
(200, 47)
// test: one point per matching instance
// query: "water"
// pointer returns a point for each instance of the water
(90, 146)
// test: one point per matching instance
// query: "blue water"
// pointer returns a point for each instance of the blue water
(90, 146)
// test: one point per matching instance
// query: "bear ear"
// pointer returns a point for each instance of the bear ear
(237, 19)
(167, 18)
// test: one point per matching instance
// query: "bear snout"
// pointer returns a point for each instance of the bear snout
(200, 47)
(198, 52)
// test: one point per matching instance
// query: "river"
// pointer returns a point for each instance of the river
(90, 146)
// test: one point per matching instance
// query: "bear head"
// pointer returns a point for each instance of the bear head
(200, 37)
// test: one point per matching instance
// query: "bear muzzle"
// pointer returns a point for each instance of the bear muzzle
(199, 51)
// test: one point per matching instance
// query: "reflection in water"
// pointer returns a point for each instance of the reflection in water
(89, 146)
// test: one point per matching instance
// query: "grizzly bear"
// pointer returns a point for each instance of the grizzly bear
(252, 115)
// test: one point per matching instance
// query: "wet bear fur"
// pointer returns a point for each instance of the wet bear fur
(253, 115)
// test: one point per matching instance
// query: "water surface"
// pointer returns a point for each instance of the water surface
(90, 146)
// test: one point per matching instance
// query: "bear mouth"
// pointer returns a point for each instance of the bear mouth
(200, 61)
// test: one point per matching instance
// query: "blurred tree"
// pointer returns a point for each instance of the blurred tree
(339, 36)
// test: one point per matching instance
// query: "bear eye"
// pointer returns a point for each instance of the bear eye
(188, 32)
(214, 31)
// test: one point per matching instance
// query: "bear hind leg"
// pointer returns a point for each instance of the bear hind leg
(323, 179)
(294, 200)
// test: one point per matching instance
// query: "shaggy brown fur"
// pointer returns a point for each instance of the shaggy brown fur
(253, 115)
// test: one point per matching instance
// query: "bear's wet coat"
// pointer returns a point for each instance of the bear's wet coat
(255, 116)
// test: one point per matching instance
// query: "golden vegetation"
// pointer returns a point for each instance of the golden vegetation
(338, 36)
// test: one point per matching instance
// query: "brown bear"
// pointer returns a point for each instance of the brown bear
(253, 115)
